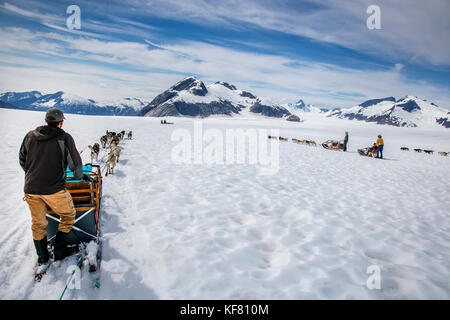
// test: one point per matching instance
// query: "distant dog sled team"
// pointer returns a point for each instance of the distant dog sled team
(305, 142)
(374, 151)
(418, 150)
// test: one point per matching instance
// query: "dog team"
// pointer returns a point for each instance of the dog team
(441, 153)
(113, 139)
(313, 143)
(305, 142)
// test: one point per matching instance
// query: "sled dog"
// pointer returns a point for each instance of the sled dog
(94, 152)
(110, 163)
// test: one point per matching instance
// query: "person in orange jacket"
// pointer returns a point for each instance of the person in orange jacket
(380, 145)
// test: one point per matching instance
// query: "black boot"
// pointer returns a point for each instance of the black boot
(42, 251)
(61, 249)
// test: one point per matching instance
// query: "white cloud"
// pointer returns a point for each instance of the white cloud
(398, 66)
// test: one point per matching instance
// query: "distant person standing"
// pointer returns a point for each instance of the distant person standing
(345, 141)
(380, 145)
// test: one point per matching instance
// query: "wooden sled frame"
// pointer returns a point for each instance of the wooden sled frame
(333, 145)
(86, 196)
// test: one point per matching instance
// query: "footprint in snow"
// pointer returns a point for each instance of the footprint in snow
(378, 254)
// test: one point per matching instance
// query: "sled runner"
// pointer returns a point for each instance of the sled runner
(333, 145)
(86, 196)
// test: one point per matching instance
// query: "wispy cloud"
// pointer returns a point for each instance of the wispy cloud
(412, 30)
(27, 13)
(92, 28)
(129, 63)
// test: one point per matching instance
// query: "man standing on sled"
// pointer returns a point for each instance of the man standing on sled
(44, 155)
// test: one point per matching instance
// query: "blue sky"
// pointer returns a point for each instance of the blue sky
(321, 52)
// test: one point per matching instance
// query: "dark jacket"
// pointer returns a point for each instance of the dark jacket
(44, 156)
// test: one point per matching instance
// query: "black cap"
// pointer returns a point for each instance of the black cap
(54, 115)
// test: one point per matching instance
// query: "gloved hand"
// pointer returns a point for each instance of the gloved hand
(87, 178)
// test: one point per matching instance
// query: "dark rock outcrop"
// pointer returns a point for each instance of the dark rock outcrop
(227, 85)
(157, 101)
(269, 111)
(409, 106)
(372, 102)
(196, 87)
(293, 118)
(444, 122)
(247, 94)
(300, 104)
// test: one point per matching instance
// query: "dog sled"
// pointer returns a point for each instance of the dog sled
(333, 145)
(367, 152)
(87, 198)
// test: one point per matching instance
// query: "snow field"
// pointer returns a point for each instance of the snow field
(226, 232)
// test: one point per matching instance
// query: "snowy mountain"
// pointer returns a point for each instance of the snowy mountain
(69, 103)
(20, 99)
(124, 106)
(191, 97)
(409, 111)
(6, 105)
(300, 106)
